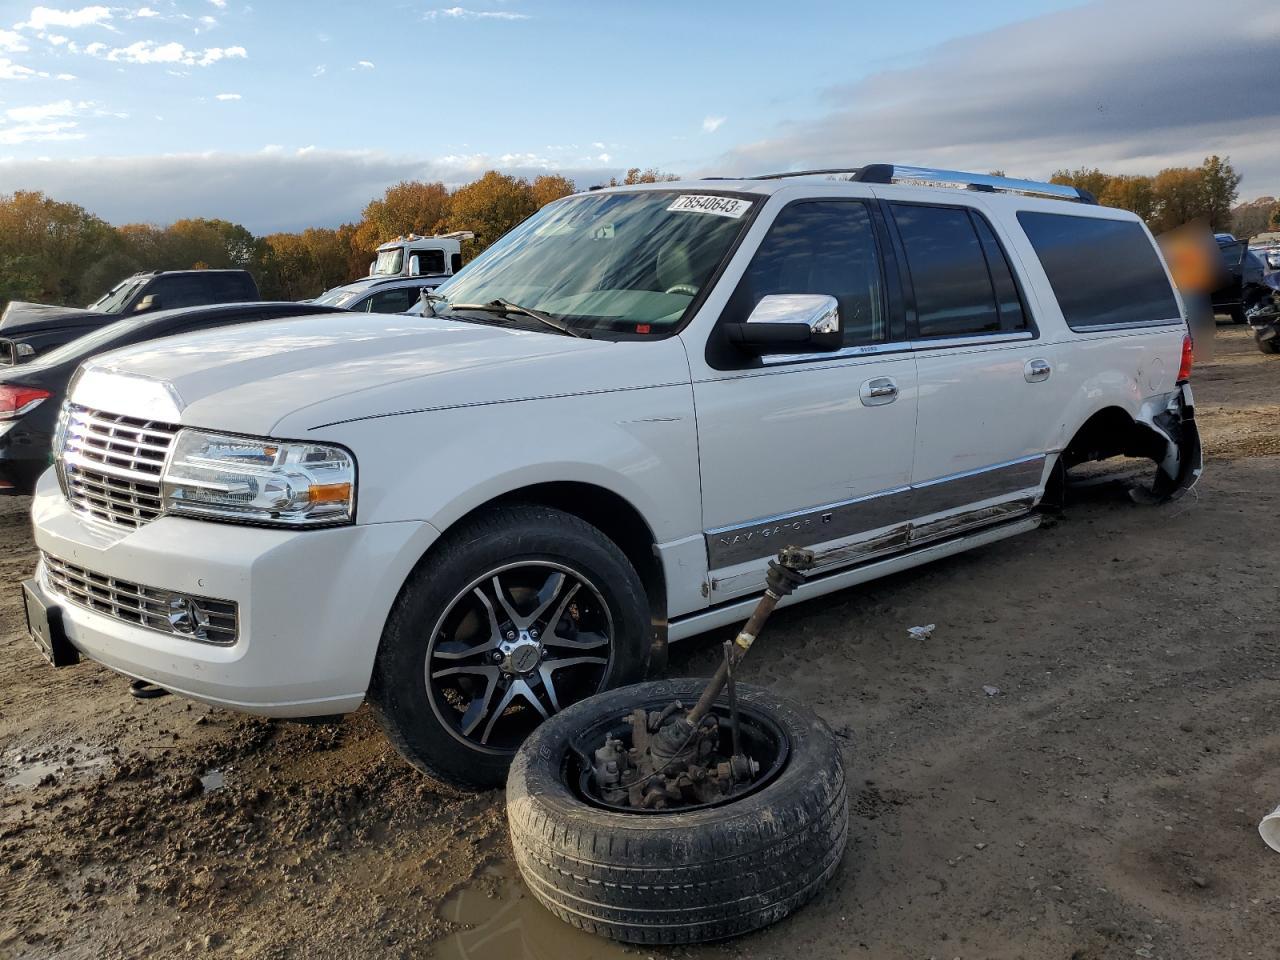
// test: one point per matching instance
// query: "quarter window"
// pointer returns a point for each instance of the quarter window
(1103, 272)
(962, 281)
(826, 247)
(393, 301)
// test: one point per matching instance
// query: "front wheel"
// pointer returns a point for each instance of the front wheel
(516, 615)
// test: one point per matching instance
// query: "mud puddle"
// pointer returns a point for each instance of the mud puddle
(504, 922)
(21, 770)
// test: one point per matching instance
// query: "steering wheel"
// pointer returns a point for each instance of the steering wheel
(688, 289)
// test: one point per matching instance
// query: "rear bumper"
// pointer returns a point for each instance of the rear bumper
(1174, 423)
(311, 604)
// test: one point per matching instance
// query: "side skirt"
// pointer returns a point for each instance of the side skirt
(736, 611)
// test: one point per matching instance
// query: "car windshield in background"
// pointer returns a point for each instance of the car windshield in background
(338, 297)
(389, 263)
(114, 301)
(619, 262)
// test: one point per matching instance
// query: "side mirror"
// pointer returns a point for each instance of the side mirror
(415, 266)
(790, 323)
(23, 351)
(149, 302)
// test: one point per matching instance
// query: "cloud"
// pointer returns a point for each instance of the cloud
(34, 114)
(712, 124)
(11, 42)
(220, 4)
(1129, 86)
(228, 96)
(365, 64)
(266, 191)
(66, 76)
(14, 71)
(42, 18)
(462, 13)
(144, 12)
(40, 122)
(320, 71)
(148, 51)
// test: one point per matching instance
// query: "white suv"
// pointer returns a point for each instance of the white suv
(618, 413)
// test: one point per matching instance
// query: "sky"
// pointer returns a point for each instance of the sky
(281, 115)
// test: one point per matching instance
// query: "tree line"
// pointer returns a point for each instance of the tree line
(57, 252)
(1172, 197)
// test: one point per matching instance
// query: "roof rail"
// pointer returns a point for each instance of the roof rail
(929, 176)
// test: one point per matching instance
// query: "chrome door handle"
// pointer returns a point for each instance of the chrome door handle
(878, 391)
(1036, 370)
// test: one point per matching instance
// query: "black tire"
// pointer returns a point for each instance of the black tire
(1237, 315)
(412, 715)
(680, 877)
(1268, 346)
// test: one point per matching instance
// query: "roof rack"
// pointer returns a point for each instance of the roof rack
(929, 176)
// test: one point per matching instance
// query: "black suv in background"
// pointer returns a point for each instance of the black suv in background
(28, 329)
(1242, 283)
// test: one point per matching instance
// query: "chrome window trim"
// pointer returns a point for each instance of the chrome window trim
(1140, 325)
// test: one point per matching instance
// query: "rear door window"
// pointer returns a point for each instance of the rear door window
(184, 290)
(962, 280)
(1104, 273)
(822, 247)
(392, 301)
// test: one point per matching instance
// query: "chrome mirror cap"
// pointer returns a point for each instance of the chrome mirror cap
(24, 351)
(818, 311)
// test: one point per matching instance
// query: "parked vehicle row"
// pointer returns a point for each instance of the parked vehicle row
(29, 329)
(1242, 278)
(592, 441)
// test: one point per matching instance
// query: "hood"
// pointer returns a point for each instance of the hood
(19, 317)
(287, 377)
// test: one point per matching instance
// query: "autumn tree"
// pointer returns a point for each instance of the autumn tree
(1135, 193)
(411, 206)
(635, 175)
(1254, 217)
(1084, 178)
(550, 187)
(1220, 184)
(491, 206)
(51, 243)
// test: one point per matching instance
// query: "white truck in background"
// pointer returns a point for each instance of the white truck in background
(402, 270)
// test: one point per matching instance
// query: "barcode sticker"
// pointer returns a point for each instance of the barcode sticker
(730, 207)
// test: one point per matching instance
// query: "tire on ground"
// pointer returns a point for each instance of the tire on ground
(504, 535)
(1269, 346)
(667, 878)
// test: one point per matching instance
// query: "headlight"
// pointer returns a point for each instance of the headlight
(259, 481)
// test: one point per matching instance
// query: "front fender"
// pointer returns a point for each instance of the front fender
(439, 465)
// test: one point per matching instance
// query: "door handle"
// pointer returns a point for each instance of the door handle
(878, 391)
(1036, 370)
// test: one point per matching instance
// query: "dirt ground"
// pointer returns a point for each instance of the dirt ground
(1104, 803)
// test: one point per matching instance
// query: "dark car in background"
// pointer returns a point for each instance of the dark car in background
(30, 329)
(31, 394)
(1264, 316)
(1242, 284)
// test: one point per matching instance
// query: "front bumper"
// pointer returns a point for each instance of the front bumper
(311, 603)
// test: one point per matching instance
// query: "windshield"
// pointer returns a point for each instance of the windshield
(621, 262)
(120, 294)
(389, 263)
(338, 297)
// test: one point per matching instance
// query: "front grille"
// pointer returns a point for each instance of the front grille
(178, 614)
(110, 465)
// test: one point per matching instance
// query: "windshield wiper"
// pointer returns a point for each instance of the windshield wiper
(499, 305)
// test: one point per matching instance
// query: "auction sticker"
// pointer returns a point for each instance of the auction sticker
(730, 207)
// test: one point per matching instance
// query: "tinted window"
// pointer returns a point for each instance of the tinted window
(429, 261)
(1008, 301)
(826, 247)
(179, 291)
(230, 288)
(954, 292)
(392, 301)
(1103, 272)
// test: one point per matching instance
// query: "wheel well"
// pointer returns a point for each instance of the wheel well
(1111, 432)
(617, 519)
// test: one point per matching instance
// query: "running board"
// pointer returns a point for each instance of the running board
(737, 610)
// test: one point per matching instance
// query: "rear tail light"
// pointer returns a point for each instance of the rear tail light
(1188, 358)
(17, 401)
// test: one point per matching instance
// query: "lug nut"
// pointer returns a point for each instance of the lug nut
(534, 633)
(511, 634)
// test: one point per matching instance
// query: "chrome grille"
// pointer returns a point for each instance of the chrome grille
(177, 614)
(110, 465)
